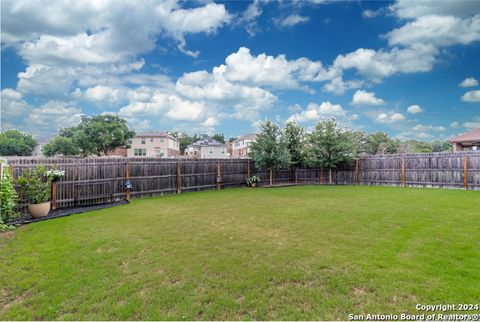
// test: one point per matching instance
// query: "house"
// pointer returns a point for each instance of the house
(241, 146)
(154, 144)
(207, 148)
(41, 141)
(467, 141)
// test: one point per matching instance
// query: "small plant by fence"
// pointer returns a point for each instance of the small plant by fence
(91, 181)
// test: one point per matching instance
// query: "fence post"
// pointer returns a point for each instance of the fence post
(296, 175)
(321, 175)
(179, 179)
(127, 176)
(218, 175)
(356, 172)
(465, 174)
(248, 169)
(403, 173)
(271, 176)
(54, 195)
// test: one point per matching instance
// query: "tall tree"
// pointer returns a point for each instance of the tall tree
(330, 146)
(184, 139)
(99, 134)
(294, 136)
(381, 143)
(61, 145)
(14, 142)
(269, 150)
(219, 137)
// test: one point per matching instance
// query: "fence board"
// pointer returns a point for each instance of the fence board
(91, 181)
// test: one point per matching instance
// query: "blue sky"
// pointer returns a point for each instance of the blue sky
(407, 68)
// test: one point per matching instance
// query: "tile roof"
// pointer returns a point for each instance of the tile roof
(155, 134)
(250, 136)
(206, 141)
(472, 136)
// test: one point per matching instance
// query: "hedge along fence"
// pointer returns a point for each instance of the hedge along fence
(92, 181)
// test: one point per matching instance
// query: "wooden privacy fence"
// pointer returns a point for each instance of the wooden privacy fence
(91, 181)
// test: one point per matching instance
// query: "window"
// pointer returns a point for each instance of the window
(161, 140)
(151, 139)
(143, 140)
(130, 141)
(159, 152)
(210, 150)
(223, 150)
(140, 152)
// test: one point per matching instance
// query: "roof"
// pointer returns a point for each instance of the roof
(250, 136)
(472, 136)
(155, 134)
(206, 141)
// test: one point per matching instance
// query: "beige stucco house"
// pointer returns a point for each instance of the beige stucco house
(241, 146)
(207, 148)
(154, 144)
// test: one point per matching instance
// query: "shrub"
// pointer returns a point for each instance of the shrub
(35, 185)
(253, 179)
(8, 199)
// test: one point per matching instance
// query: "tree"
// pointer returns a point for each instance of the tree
(184, 139)
(14, 142)
(219, 137)
(61, 145)
(441, 146)
(99, 134)
(294, 136)
(269, 149)
(381, 143)
(231, 139)
(330, 146)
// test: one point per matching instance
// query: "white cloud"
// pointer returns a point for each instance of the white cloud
(370, 13)
(470, 125)
(362, 97)
(471, 96)
(314, 112)
(164, 105)
(414, 109)
(102, 94)
(291, 20)
(414, 9)
(278, 72)
(390, 117)
(426, 128)
(376, 65)
(100, 30)
(437, 31)
(454, 125)
(468, 82)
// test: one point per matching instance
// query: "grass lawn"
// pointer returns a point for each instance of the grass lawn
(309, 252)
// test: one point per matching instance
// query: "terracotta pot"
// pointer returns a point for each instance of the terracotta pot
(39, 210)
(253, 185)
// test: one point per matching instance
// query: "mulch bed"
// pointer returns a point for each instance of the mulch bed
(57, 213)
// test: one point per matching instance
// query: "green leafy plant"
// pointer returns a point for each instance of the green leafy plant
(8, 199)
(35, 185)
(252, 180)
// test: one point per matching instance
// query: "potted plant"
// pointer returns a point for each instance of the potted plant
(54, 174)
(252, 181)
(35, 187)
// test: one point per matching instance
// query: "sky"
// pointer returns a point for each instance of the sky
(409, 68)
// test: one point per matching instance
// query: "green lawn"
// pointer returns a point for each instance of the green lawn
(309, 252)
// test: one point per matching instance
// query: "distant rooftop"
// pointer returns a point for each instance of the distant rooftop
(150, 134)
(249, 136)
(472, 136)
(206, 141)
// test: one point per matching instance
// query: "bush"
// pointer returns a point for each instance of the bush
(8, 199)
(35, 185)
(253, 179)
